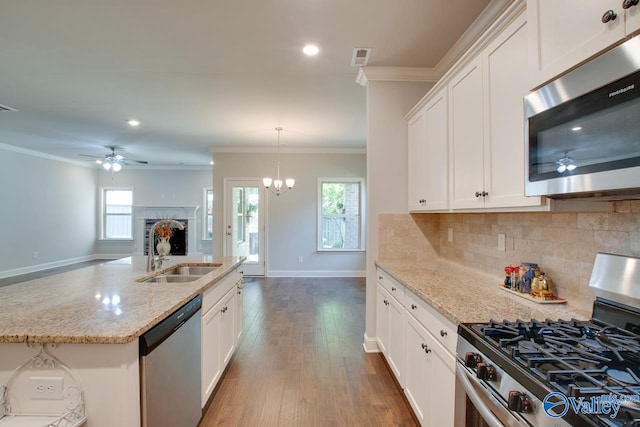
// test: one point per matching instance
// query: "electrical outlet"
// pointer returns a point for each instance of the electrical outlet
(501, 242)
(46, 388)
(300, 259)
(450, 234)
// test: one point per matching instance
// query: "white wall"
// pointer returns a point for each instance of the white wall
(291, 217)
(158, 187)
(387, 104)
(46, 206)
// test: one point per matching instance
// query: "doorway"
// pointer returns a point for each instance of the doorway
(245, 223)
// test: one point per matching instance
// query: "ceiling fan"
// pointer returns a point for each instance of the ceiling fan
(113, 161)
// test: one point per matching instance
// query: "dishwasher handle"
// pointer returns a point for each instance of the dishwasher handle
(156, 335)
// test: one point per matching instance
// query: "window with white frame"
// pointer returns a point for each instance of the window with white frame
(208, 214)
(117, 213)
(340, 214)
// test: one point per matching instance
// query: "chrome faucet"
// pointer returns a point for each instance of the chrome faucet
(151, 259)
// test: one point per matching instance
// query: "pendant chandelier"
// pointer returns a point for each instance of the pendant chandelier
(275, 185)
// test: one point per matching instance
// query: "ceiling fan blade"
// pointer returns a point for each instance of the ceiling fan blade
(142, 162)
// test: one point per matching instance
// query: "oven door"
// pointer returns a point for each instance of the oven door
(488, 407)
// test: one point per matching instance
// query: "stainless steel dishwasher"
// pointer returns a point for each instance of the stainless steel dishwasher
(170, 370)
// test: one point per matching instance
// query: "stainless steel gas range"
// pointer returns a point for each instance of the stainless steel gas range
(561, 372)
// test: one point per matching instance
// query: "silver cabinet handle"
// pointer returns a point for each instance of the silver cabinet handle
(386, 302)
(443, 333)
(413, 306)
(426, 348)
(393, 289)
(380, 277)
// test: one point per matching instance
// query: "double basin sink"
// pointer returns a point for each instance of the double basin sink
(182, 273)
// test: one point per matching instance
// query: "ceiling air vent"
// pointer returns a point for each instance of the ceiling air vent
(4, 108)
(360, 56)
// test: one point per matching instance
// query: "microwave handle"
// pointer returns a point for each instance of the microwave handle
(472, 393)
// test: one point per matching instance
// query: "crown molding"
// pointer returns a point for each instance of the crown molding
(34, 153)
(493, 13)
(286, 150)
(396, 74)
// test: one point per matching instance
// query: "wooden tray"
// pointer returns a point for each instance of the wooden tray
(555, 300)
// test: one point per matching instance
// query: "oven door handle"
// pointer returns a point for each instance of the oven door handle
(485, 412)
(471, 391)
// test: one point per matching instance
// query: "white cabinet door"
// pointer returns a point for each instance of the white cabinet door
(466, 137)
(430, 380)
(419, 368)
(562, 34)
(443, 385)
(390, 330)
(417, 169)
(395, 351)
(436, 157)
(228, 334)
(211, 363)
(239, 311)
(505, 65)
(382, 318)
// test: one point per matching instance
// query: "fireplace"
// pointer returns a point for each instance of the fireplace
(183, 242)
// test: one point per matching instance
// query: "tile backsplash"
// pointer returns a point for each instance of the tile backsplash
(564, 244)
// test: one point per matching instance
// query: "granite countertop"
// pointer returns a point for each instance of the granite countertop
(464, 295)
(101, 304)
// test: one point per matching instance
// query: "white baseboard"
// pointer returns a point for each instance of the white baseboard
(54, 264)
(315, 273)
(370, 344)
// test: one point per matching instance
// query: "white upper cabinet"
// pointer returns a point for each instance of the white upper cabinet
(563, 34)
(428, 189)
(417, 170)
(467, 141)
(487, 125)
(506, 83)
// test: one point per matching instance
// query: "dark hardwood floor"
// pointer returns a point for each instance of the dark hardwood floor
(301, 361)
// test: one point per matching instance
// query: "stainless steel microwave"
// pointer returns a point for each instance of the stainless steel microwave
(582, 130)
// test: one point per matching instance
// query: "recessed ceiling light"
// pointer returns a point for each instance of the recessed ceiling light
(310, 50)
(211, 162)
(133, 123)
(576, 128)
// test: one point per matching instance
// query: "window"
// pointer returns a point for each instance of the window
(208, 214)
(117, 213)
(340, 214)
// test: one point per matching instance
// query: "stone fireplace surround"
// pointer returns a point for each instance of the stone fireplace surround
(143, 213)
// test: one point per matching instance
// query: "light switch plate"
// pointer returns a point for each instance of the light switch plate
(450, 234)
(501, 242)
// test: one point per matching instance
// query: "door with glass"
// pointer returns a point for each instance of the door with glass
(244, 223)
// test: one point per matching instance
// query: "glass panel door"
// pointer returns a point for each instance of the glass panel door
(245, 224)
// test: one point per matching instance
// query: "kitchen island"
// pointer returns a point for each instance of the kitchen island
(90, 319)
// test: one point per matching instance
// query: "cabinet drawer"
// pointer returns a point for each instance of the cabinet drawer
(392, 286)
(212, 295)
(444, 331)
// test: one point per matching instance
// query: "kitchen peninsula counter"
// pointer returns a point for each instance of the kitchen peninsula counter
(101, 304)
(464, 295)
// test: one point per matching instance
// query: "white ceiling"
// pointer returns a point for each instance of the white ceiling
(204, 73)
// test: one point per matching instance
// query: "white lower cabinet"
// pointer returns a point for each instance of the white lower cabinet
(221, 330)
(430, 380)
(390, 320)
(239, 314)
(419, 346)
